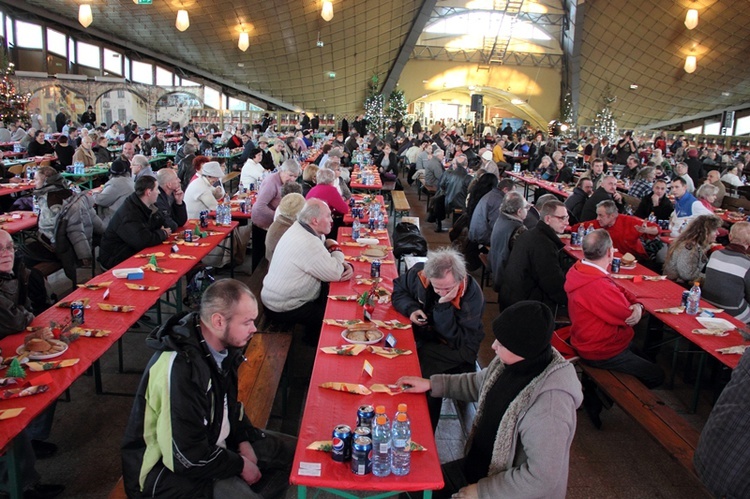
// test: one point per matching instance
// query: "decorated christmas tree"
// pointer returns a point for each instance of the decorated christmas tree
(396, 107)
(12, 104)
(604, 123)
(15, 370)
(374, 104)
(567, 116)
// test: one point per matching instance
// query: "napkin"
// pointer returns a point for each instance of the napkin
(736, 350)
(52, 364)
(107, 307)
(158, 254)
(348, 350)
(180, 256)
(342, 322)
(23, 392)
(141, 287)
(94, 287)
(90, 333)
(343, 297)
(327, 446)
(346, 387)
(711, 332)
(391, 324)
(158, 270)
(11, 413)
(389, 353)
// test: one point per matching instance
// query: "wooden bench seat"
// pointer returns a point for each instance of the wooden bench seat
(399, 205)
(664, 425)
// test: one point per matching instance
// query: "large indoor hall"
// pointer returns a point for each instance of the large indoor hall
(367, 249)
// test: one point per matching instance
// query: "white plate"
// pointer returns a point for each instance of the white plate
(21, 350)
(715, 323)
(371, 342)
(123, 273)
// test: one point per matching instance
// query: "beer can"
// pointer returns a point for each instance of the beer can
(77, 313)
(188, 235)
(375, 268)
(204, 219)
(362, 456)
(616, 261)
(365, 413)
(685, 295)
(342, 443)
(363, 431)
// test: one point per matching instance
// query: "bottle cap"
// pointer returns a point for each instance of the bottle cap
(401, 407)
(380, 409)
(401, 417)
(381, 419)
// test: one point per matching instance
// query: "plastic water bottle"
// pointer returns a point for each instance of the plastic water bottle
(35, 206)
(581, 233)
(590, 229)
(401, 444)
(154, 152)
(694, 298)
(381, 443)
(381, 221)
(356, 227)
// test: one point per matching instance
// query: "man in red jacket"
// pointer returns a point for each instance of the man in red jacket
(602, 317)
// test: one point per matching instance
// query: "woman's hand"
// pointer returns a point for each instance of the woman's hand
(414, 384)
(468, 492)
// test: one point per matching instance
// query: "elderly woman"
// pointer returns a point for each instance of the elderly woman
(544, 166)
(326, 191)
(706, 194)
(688, 255)
(643, 183)
(731, 176)
(286, 214)
(119, 186)
(269, 197)
(252, 170)
(308, 178)
(201, 194)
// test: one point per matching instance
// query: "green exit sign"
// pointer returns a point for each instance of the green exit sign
(145, 2)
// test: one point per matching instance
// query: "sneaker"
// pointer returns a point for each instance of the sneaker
(43, 450)
(44, 491)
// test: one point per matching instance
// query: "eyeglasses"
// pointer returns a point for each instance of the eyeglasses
(561, 217)
(8, 247)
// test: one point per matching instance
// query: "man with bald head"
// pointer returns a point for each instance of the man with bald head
(727, 283)
(170, 201)
(714, 178)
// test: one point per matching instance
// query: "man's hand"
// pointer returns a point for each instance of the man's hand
(451, 294)
(655, 199)
(635, 317)
(617, 197)
(646, 229)
(418, 317)
(250, 472)
(415, 384)
(468, 492)
(179, 195)
(247, 451)
(348, 272)
(167, 231)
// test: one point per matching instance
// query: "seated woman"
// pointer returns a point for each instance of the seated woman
(119, 186)
(286, 215)
(688, 254)
(643, 183)
(64, 152)
(100, 150)
(326, 191)
(731, 176)
(706, 194)
(526, 415)
(387, 163)
(545, 166)
(252, 170)
(202, 193)
(308, 178)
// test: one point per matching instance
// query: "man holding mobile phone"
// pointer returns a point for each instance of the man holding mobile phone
(445, 304)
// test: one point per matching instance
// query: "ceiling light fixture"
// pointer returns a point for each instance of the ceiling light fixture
(723, 94)
(517, 102)
(244, 42)
(327, 12)
(633, 86)
(183, 20)
(690, 64)
(319, 43)
(85, 17)
(691, 19)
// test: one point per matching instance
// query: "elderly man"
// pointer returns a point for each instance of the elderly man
(714, 178)
(535, 269)
(727, 283)
(434, 168)
(140, 167)
(681, 171)
(136, 225)
(486, 213)
(170, 201)
(445, 306)
(128, 151)
(265, 205)
(114, 192)
(508, 226)
(626, 231)
(607, 191)
(602, 318)
(16, 132)
(295, 289)
(188, 435)
(631, 168)
(575, 202)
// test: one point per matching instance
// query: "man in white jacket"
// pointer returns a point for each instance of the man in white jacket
(295, 288)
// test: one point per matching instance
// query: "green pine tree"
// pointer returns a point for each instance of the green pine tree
(15, 370)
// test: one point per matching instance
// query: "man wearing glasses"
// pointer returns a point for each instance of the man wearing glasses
(535, 268)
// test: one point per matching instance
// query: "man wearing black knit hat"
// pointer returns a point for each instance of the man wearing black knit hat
(519, 444)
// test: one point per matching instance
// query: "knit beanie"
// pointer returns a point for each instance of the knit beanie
(291, 205)
(525, 328)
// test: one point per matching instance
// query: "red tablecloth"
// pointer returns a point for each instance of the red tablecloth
(355, 182)
(655, 295)
(544, 184)
(14, 188)
(88, 350)
(325, 409)
(27, 221)
(348, 220)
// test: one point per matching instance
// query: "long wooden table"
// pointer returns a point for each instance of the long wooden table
(324, 409)
(89, 350)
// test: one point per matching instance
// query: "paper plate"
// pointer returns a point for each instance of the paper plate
(40, 356)
(715, 323)
(346, 332)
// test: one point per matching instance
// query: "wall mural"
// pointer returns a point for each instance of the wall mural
(121, 104)
(176, 107)
(49, 100)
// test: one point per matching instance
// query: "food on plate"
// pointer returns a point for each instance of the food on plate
(362, 336)
(628, 260)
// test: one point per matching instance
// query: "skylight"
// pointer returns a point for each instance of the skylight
(487, 24)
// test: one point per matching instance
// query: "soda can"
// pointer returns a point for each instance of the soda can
(371, 223)
(204, 219)
(574, 239)
(685, 295)
(188, 235)
(77, 313)
(363, 431)
(342, 443)
(366, 413)
(362, 456)
(375, 268)
(616, 261)
(243, 207)
(251, 187)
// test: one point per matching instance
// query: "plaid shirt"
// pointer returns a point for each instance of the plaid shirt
(640, 188)
(722, 458)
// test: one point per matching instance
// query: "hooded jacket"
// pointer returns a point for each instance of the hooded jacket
(170, 446)
(22, 294)
(598, 309)
(133, 227)
(531, 453)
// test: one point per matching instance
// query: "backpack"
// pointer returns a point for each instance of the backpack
(201, 280)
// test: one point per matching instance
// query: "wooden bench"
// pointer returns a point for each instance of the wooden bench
(429, 191)
(664, 425)
(399, 205)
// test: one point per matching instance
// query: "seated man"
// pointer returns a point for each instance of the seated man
(295, 289)
(527, 399)
(714, 178)
(486, 213)
(602, 317)
(136, 225)
(445, 305)
(140, 166)
(170, 201)
(580, 195)
(535, 270)
(508, 226)
(187, 435)
(606, 191)
(727, 283)
(626, 231)
(722, 457)
(686, 206)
